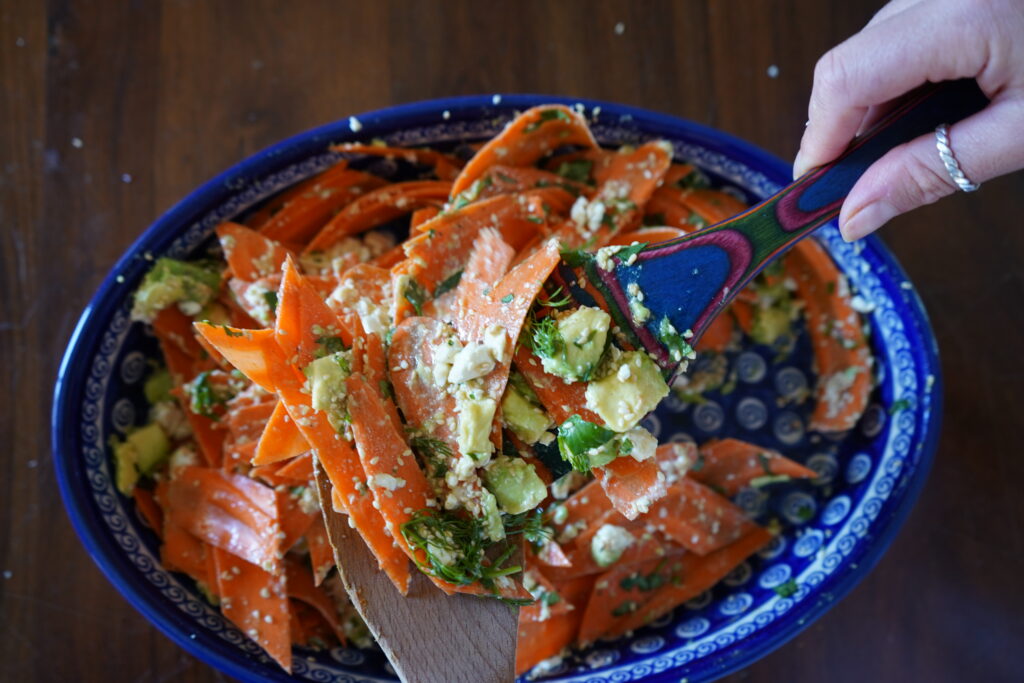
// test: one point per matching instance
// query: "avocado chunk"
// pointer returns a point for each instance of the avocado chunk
(570, 345)
(328, 391)
(769, 325)
(475, 416)
(126, 471)
(141, 453)
(631, 389)
(522, 412)
(158, 386)
(152, 447)
(515, 484)
(190, 285)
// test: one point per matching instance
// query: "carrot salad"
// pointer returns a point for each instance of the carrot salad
(476, 424)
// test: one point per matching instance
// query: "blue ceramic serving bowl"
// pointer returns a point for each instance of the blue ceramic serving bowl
(836, 527)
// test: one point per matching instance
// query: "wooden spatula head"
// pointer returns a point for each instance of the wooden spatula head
(426, 635)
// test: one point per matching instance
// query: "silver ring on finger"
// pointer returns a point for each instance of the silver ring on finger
(956, 173)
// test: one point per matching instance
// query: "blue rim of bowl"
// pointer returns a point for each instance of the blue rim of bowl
(85, 338)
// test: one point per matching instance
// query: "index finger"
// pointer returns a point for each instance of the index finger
(883, 61)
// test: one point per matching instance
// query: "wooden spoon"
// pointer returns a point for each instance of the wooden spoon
(429, 636)
(426, 635)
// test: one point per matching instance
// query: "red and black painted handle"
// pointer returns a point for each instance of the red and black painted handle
(687, 281)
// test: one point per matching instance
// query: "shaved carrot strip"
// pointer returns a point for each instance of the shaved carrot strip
(304, 214)
(256, 601)
(299, 301)
(294, 520)
(149, 510)
(620, 592)
(730, 464)
(378, 207)
(443, 247)
(243, 349)
(648, 235)
(257, 219)
(560, 399)
(280, 439)
(698, 518)
(321, 555)
(395, 479)
(696, 575)
(841, 353)
(526, 139)
(249, 254)
(630, 485)
(543, 609)
(539, 640)
(229, 511)
(445, 166)
(299, 468)
(712, 206)
(301, 586)
(183, 552)
(304, 321)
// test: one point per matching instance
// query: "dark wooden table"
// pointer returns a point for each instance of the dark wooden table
(111, 112)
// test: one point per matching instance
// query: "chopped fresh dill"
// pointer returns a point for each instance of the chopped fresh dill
(415, 295)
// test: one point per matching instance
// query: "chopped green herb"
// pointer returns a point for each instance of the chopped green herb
(625, 447)
(448, 284)
(654, 219)
(696, 220)
(535, 219)
(205, 397)
(415, 295)
(433, 452)
(578, 170)
(645, 582)
(575, 258)
(675, 342)
(507, 299)
(577, 437)
(694, 180)
(628, 252)
(545, 339)
(270, 297)
(231, 333)
(830, 287)
(506, 178)
(331, 344)
(625, 608)
(555, 299)
(764, 460)
(551, 599)
(456, 548)
(788, 589)
(545, 116)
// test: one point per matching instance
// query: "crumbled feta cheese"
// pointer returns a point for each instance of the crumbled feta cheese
(386, 481)
(472, 361)
(609, 543)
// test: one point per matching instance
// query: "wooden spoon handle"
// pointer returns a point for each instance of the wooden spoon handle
(691, 279)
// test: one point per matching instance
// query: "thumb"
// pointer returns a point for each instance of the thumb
(913, 174)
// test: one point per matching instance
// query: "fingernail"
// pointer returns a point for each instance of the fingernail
(798, 167)
(866, 220)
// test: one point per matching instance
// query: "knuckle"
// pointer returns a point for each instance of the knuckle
(922, 184)
(830, 74)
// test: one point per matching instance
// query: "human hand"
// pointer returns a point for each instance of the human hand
(907, 43)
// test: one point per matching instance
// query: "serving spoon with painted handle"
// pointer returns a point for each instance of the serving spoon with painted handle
(687, 281)
(429, 636)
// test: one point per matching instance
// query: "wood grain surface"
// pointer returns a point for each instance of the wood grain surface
(112, 111)
(417, 630)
